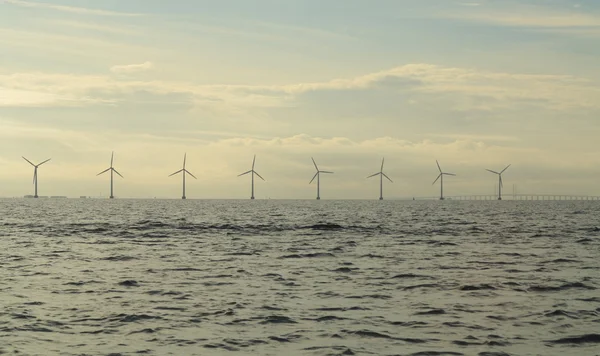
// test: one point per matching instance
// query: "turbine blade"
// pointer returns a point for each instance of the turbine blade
(313, 178)
(239, 175)
(504, 169)
(112, 156)
(449, 174)
(438, 177)
(438, 164)
(317, 168)
(489, 170)
(44, 162)
(117, 173)
(501, 185)
(179, 171)
(373, 175)
(253, 161)
(382, 164)
(28, 161)
(34, 176)
(104, 171)
(387, 177)
(188, 172)
(184, 157)
(258, 175)
(326, 172)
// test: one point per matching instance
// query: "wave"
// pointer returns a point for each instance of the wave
(278, 319)
(573, 285)
(477, 287)
(432, 312)
(583, 339)
(309, 255)
(436, 353)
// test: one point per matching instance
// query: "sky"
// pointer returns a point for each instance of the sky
(474, 84)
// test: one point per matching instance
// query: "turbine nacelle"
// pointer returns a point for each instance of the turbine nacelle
(381, 173)
(318, 171)
(183, 169)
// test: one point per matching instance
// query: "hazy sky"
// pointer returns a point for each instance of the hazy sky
(474, 84)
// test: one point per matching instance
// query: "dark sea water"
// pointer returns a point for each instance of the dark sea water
(160, 277)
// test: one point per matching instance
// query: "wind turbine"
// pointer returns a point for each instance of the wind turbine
(183, 171)
(441, 177)
(253, 173)
(318, 176)
(381, 175)
(499, 180)
(111, 169)
(35, 177)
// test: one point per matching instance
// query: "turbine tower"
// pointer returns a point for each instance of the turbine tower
(318, 176)
(381, 175)
(111, 169)
(253, 173)
(441, 178)
(35, 176)
(499, 180)
(184, 172)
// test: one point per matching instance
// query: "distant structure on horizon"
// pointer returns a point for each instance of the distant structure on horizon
(318, 176)
(441, 178)
(111, 169)
(499, 180)
(381, 175)
(183, 172)
(253, 173)
(35, 176)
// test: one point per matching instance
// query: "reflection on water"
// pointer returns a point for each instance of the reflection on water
(299, 277)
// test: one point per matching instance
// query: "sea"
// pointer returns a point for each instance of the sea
(299, 277)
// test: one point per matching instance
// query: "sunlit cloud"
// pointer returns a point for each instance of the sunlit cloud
(557, 91)
(132, 68)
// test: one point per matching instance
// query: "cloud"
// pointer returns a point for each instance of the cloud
(23, 98)
(71, 9)
(132, 68)
(536, 18)
(111, 29)
(470, 89)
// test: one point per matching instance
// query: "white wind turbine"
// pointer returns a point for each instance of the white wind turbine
(253, 173)
(183, 171)
(499, 180)
(318, 176)
(381, 175)
(441, 177)
(35, 176)
(111, 169)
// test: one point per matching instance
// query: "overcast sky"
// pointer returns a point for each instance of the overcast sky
(474, 84)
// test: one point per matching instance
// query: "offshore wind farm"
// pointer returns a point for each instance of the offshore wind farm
(317, 177)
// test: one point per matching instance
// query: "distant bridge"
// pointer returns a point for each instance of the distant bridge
(514, 197)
